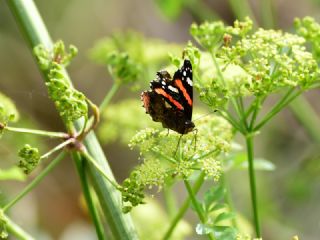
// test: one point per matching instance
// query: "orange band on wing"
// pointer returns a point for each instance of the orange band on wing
(167, 96)
(179, 84)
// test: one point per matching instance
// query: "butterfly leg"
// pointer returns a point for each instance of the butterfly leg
(178, 145)
(168, 132)
(195, 138)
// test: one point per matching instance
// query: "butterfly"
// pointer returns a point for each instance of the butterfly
(170, 100)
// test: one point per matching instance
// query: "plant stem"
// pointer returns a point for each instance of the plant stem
(37, 132)
(57, 148)
(81, 166)
(289, 97)
(227, 116)
(256, 108)
(254, 202)
(242, 112)
(35, 181)
(200, 11)
(170, 200)
(267, 15)
(120, 224)
(183, 209)
(113, 90)
(228, 198)
(307, 117)
(194, 201)
(95, 164)
(16, 230)
(242, 9)
(197, 206)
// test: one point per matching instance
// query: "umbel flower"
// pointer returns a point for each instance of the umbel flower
(160, 163)
(252, 63)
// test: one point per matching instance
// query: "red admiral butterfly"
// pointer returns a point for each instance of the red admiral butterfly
(170, 100)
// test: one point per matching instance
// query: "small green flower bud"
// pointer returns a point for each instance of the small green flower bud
(30, 158)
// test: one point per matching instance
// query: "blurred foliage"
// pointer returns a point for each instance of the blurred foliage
(130, 57)
(171, 9)
(12, 173)
(115, 125)
(146, 214)
(8, 111)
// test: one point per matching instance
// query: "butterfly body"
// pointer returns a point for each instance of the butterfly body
(170, 100)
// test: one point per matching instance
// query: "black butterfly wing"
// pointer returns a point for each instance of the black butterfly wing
(163, 86)
(182, 80)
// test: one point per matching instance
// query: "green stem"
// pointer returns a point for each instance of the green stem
(242, 9)
(242, 112)
(217, 67)
(57, 148)
(81, 166)
(183, 209)
(96, 165)
(169, 200)
(35, 181)
(35, 32)
(254, 202)
(256, 108)
(200, 11)
(163, 156)
(37, 132)
(307, 117)
(113, 90)
(197, 206)
(231, 120)
(267, 14)
(228, 198)
(16, 230)
(194, 201)
(289, 97)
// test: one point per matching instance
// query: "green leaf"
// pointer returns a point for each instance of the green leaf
(261, 164)
(13, 173)
(239, 161)
(217, 206)
(213, 195)
(225, 232)
(224, 216)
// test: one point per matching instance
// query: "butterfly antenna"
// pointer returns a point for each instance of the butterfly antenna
(205, 115)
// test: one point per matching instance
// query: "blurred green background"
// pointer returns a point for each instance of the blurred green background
(289, 196)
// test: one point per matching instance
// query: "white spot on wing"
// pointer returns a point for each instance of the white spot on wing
(184, 73)
(163, 83)
(173, 89)
(189, 81)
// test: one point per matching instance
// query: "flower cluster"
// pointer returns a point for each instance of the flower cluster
(70, 103)
(30, 158)
(247, 63)
(309, 29)
(164, 160)
(8, 111)
(131, 58)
